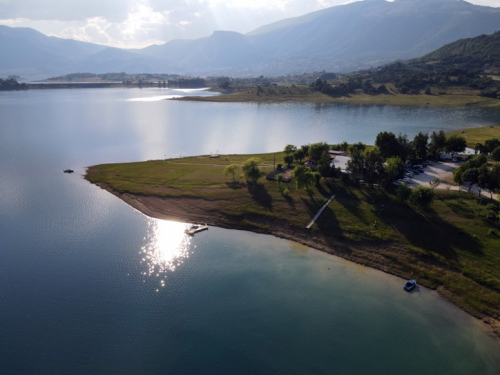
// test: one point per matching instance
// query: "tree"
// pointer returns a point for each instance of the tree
(479, 148)
(304, 177)
(357, 147)
(393, 166)
(495, 154)
(405, 147)
(368, 165)
(491, 144)
(288, 159)
(374, 166)
(476, 162)
(316, 150)
(317, 177)
(420, 145)
(486, 180)
(455, 144)
(387, 144)
(422, 197)
(251, 169)
(305, 148)
(403, 192)
(230, 170)
(324, 164)
(290, 149)
(437, 143)
(299, 155)
(344, 146)
(470, 177)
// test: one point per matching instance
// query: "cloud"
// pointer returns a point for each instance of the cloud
(138, 23)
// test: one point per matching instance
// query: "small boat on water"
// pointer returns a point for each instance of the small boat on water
(410, 285)
(68, 171)
(195, 229)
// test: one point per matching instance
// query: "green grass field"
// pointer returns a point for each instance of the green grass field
(453, 246)
(477, 135)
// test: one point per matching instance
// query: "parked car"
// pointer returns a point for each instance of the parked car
(415, 171)
(410, 285)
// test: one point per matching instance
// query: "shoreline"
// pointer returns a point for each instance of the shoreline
(449, 100)
(185, 209)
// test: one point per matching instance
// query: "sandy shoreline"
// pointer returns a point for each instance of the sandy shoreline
(191, 210)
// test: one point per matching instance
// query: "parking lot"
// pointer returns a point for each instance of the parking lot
(444, 172)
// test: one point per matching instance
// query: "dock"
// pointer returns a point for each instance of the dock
(195, 229)
(320, 212)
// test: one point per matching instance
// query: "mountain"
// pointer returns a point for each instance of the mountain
(372, 32)
(341, 38)
(28, 52)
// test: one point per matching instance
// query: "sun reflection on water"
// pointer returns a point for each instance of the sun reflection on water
(167, 247)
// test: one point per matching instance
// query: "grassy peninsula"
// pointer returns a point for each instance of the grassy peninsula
(452, 247)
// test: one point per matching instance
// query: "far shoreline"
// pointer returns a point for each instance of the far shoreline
(449, 100)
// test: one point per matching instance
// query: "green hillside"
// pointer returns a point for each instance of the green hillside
(470, 53)
(465, 67)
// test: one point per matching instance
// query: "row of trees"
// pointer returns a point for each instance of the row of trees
(344, 88)
(478, 172)
(250, 169)
(11, 84)
(316, 152)
(422, 146)
(490, 147)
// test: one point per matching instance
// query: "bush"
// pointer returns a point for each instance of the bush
(422, 197)
(403, 192)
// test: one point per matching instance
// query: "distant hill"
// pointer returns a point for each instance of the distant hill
(467, 65)
(337, 39)
(470, 53)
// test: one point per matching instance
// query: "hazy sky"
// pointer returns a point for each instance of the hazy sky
(138, 23)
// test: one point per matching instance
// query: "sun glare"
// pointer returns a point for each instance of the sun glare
(166, 249)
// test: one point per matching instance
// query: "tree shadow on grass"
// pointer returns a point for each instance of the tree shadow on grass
(328, 192)
(312, 205)
(461, 210)
(235, 185)
(350, 201)
(260, 195)
(431, 233)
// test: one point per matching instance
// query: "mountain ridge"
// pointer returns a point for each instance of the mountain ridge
(342, 38)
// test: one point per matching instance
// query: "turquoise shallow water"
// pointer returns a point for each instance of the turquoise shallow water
(89, 285)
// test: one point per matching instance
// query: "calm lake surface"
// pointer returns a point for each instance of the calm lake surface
(88, 285)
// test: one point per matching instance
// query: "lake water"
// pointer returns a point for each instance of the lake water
(88, 285)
